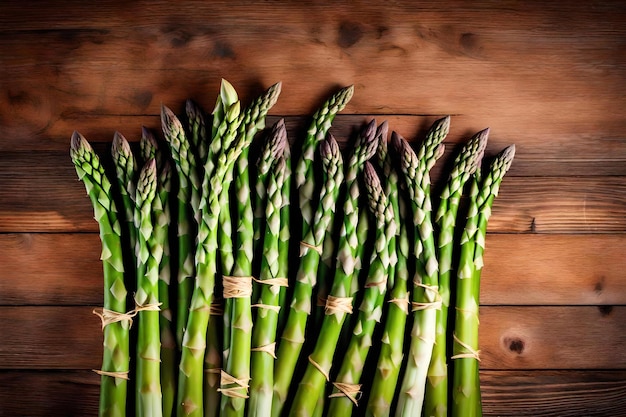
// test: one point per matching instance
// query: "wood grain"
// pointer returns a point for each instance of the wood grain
(41, 193)
(597, 153)
(546, 269)
(510, 338)
(587, 393)
(553, 393)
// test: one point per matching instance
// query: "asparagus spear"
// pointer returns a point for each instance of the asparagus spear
(188, 198)
(416, 168)
(197, 133)
(237, 364)
(339, 302)
(162, 220)
(149, 147)
(284, 238)
(148, 385)
(272, 147)
(304, 172)
(347, 388)
(465, 164)
(115, 321)
(190, 388)
(391, 352)
(466, 386)
(125, 170)
(310, 248)
(266, 324)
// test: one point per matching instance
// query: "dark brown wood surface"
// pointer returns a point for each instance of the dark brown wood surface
(547, 76)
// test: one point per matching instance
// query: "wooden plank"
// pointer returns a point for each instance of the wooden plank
(504, 393)
(555, 153)
(520, 269)
(554, 269)
(50, 269)
(553, 393)
(510, 338)
(552, 337)
(49, 393)
(565, 56)
(41, 193)
(50, 338)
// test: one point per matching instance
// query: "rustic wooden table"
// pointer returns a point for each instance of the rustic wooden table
(547, 76)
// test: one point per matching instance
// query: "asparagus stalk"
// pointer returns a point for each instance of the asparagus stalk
(293, 336)
(465, 164)
(391, 352)
(347, 391)
(115, 321)
(148, 385)
(304, 172)
(426, 301)
(162, 220)
(237, 364)
(466, 386)
(266, 324)
(284, 238)
(190, 387)
(339, 303)
(188, 198)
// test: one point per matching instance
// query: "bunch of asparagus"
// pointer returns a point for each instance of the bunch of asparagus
(242, 306)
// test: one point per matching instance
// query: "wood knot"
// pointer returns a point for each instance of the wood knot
(515, 345)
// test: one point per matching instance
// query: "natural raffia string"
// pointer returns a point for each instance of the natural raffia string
(352, 391)
(402, 303)
(109, 316)
(234, 392)
(237, 287)
(113, 374)
(267, 307)
(279, 282)
(269, 348)
(470, 354)
(147, 307)
(308, 246)
(319, 368)
(336, 305)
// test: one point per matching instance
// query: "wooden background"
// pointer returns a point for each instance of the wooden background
(547, 76)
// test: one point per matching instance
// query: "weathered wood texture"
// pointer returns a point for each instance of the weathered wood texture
(547, 76)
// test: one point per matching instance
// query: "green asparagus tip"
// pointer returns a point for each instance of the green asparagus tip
(146, 184)
(79, 144)
(280, 131)
(169, 121)
(148, 137)
(233, 112)
(507, 155)
(382, 131)
(120, 145)
(345, 95)
(371, 177)
(191, 108)
(228, 94)
(479, 143)
(329, 148)
(368, 140)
